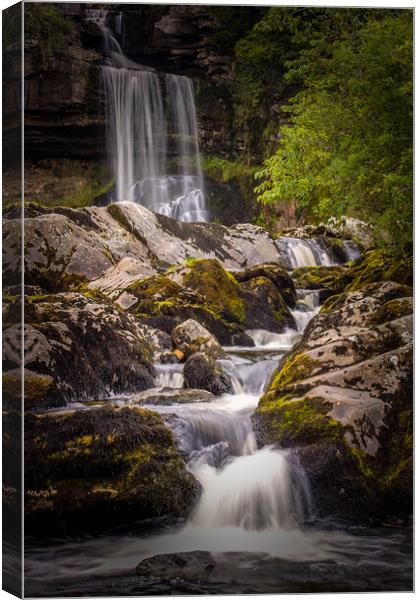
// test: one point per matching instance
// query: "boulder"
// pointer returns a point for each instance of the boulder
(318, 278)
(109, 245)
(203, 372)
(265, 307)
(163, 304)
(171, 396)
(117, 278)
(91, 469)
(190, 337)
(85, 345)
(277, 274)
(222, 292)
(342, 398)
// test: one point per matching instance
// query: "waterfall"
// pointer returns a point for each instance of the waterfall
(152, 134)
(309, 252)
(254, 492)
(302, 252)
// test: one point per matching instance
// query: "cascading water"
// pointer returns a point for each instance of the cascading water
(152, 134)
(309, 252)
(253, 500)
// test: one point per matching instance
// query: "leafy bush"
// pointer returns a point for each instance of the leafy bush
(348, 149)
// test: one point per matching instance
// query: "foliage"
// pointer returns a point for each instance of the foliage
(46, 24)
(223, 170)
(349, 149)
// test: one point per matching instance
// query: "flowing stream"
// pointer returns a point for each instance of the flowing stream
(253, 500)
(152, 133)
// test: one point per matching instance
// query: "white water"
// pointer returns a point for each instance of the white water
(308, 252)
(152, 134)
(254, 500)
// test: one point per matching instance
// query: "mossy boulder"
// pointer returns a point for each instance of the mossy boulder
(39, 390)
(161, 302)
(85, 345)
(256, 303)
(377, 265)
(218, 286)
(204, 373)
(277, 274)
(265, 306)
(317, 278)
(92, 469)
(338, 398)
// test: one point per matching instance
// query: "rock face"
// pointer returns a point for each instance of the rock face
(202, 372)
(68, 246)
(190, 337)
(95, 468)
(78, 348)
(63, 111)
(343, 399)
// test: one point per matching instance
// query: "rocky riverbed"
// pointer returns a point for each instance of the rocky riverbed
(193, 387)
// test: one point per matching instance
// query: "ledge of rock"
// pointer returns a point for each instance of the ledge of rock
(343, 399)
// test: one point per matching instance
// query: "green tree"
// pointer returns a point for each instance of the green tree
(348, 148)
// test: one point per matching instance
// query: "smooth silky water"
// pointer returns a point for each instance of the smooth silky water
(253, 500)
(152, 133)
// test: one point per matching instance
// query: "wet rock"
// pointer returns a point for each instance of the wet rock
(190, 337)
(39, 390)
(318, 278)
(277, 274)
(265, 307)
(187, 565)
(203, 372)
(170, 396)
(343, 398)
(91, 469)
(88, 347)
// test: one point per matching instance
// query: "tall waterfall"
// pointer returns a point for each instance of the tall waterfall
(152, 134)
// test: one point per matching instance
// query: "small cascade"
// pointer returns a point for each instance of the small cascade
(152, 134)
(310, 252)
(309, 298)
(302, 252)
(250, 377)
(254, 492)
(169, 376)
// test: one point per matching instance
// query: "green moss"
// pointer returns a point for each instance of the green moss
(296, 367)
(394, 309)
(317, 277)
(224, 171)
(37, 389)
(363, 461)
(298, 421)
(219, 288)
(84, 196)
(376, 266)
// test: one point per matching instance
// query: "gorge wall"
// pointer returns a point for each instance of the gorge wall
(64, 101)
